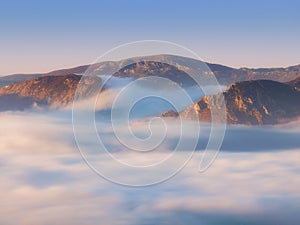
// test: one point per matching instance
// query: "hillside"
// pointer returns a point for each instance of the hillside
(250, 102)
(48, 91)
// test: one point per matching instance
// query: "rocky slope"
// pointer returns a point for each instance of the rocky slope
(250, 102)
(48, 91)
(225, 75)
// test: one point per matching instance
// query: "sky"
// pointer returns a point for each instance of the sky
(40, 36)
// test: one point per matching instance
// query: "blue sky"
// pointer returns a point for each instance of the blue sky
(38, 36)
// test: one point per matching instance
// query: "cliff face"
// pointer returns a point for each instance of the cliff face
(250, 102)
(51, 91)
(262, 102)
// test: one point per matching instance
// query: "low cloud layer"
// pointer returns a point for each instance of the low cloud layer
(45, 181)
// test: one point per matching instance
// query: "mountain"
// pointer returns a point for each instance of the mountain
(230, 75)
(152, 68)
(225, 75)
(250, 102)
(48, 91)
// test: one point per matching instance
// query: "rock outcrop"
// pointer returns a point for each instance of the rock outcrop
(250, 102)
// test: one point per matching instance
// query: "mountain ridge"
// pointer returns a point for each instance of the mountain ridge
(252, 98)
(224, 74)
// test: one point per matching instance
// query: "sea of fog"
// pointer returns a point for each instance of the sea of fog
(44, 180)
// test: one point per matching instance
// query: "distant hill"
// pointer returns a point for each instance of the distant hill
(225, 75)
(152, 68)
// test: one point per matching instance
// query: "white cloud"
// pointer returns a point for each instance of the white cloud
(44, 180)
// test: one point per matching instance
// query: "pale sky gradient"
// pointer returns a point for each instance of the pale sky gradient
(40, 36)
